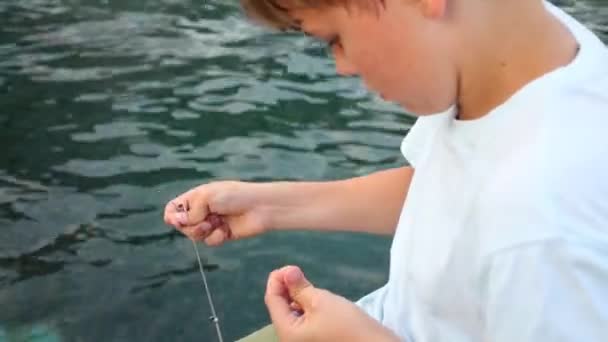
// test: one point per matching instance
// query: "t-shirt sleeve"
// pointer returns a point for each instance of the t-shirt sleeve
(373, 303)
(548, 291)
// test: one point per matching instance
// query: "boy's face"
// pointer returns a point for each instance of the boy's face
(400, 50)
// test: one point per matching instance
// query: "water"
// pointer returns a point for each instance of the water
(111, 108)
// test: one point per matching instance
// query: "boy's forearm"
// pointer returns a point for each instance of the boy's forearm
(382, 335)
(364, 204)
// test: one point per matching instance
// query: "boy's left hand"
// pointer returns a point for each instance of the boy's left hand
(302, 313)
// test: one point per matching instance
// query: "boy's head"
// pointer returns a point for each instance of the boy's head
(400, 48)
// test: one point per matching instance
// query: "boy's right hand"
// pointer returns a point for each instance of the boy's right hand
(217, 212)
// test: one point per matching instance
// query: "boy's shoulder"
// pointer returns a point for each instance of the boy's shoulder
(552, 182)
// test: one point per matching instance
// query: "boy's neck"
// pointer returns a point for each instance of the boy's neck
(514, 44)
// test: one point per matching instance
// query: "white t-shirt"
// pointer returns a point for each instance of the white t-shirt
(504, 233)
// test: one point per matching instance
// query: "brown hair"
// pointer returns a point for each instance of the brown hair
(273, 13)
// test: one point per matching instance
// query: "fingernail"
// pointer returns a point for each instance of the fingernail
(293, 275)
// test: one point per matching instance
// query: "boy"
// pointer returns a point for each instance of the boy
(500, 224)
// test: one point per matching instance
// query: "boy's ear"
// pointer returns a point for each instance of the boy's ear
(434, 9)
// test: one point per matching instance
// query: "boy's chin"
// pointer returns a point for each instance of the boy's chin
(415, 110)
(412, 110)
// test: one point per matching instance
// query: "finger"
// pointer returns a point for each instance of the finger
(202, 231)
(189, 232)
(227, 231)
(298, 287)
(194, 204)
(295, 306)
(215, 220)
(173, 217)
(198, 232)
(212, 221)
(217, 237)
(277, 301)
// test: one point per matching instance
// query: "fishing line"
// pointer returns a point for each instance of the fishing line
(214, 318)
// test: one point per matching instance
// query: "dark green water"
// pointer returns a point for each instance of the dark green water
(110, 108)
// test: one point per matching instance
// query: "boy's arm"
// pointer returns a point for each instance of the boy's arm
(369, 203)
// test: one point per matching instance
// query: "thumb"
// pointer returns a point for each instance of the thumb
(300, 289)
(188, 209)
